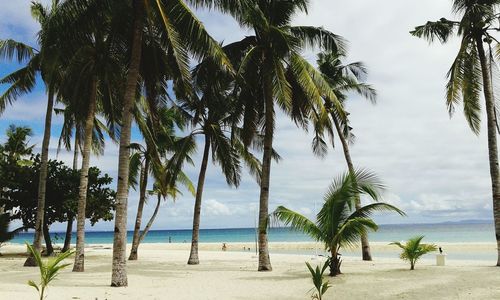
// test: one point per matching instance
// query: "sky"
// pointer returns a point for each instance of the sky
(434, 167)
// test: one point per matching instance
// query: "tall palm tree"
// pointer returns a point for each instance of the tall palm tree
(72, 126)
(182, 33)
(46, 62)
(346, 79)
(470, 73)
(214, 113)
(338, 223)
(275, 72)
(160, 140)
(97, 70)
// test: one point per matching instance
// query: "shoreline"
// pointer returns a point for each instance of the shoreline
(233, 275)
(466, 251)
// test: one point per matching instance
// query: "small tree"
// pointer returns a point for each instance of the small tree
(338, 223)
(48, 269)
(413, 250)
(317, 278)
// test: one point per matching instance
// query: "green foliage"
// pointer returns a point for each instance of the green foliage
(413, 250)
(320, 284)
(338, 223)
(48, 269)
(19, 173)
(5, 234)
(465, 81)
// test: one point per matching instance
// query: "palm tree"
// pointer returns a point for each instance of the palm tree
(338, 223)
(72, 125)
(346, 79)
(93, 70)
(14, 150)
(214, 113)
(163, 188)
(470, 73)
(413, 250)
(45, 61)
(160, 140)
(182, 33)
(275, 72)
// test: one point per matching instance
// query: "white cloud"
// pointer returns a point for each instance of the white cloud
(435, 168)
(213, 207)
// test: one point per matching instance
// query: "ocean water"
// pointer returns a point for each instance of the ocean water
(437, 233)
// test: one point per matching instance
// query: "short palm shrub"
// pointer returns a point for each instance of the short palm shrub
(413, 250)
(48, 269)
(338, 223)
(320, 285)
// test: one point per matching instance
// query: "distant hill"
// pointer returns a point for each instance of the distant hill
(486, 221)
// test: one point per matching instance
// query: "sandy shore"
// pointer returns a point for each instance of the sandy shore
(162, 273)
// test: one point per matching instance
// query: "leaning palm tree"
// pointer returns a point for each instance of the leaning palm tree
(470, 73)
(413, 250)
(338, 223)
(163, 188)
(45, 61)
(183, 33)
(160, 141)
(94, 69)
(274, 72)
(214, 112)
(72, 129)
(345, 79)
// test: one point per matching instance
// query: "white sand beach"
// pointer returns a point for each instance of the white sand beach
(162, 273)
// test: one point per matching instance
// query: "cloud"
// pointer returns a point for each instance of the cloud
(434, 167)
(216, 208)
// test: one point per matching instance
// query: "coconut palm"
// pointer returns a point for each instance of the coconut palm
(470, 73)
(182, 33)
(45, 61)
(346, 79)
(413, 250)
(72, 126)
(338, 223)
(93, 70)
(275, 72)
(163, 189)
(214, 112)
(160, 140)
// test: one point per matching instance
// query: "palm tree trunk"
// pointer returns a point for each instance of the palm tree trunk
(151, 220)
(42, 182)
(140, 209)
(77, 147)
(79, 265)
(193, 257)
(365, 245)
(49, 249)
(335, 263)
(119, 272)
(71, 217)
(492, 140)
(69, 231)
(264, 260)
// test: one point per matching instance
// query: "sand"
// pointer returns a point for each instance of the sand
(161, 273)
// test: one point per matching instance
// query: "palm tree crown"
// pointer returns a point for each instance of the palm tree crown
(338, 224)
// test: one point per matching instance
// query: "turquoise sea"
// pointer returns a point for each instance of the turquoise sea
(437, 233)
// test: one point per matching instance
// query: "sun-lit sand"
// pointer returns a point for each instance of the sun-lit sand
(162, 273)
